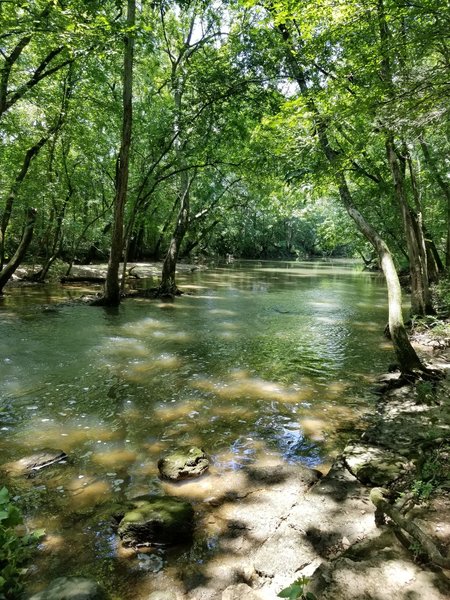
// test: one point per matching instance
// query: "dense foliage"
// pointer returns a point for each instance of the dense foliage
(255, 127)
(15, 547)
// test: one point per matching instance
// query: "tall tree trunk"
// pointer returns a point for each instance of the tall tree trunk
(9, 269)
(415, 240)
(168, 286)
(444, 185)
(420, 292)
(112, 287)
(57, 239)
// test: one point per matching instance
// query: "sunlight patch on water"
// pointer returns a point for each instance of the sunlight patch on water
(67, 436)
(142, 372)
(172, 412)
(222, 312)
(250, 387)
(87, 492)
(115, 458)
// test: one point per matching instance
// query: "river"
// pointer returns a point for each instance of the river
(258, 361)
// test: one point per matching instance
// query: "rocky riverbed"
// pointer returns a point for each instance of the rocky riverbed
(278, 523)
(271, 524)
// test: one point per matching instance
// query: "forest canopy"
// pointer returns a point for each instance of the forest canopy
(255, 129)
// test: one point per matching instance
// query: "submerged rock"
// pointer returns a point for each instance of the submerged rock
(30, 465)
(161, 520)
(183, 464)
(374, 465)
(72, 588)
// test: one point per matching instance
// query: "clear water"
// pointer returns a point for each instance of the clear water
(258, 361)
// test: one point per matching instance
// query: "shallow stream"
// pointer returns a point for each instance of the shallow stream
(258, 362)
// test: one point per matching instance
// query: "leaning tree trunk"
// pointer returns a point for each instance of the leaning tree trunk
(420, 292)
(29, 156)
(168, 286)
(405, 353)
(9, 269)
(111, 296)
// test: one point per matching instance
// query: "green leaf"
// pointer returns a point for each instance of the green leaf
(4, 495)
(292, 592)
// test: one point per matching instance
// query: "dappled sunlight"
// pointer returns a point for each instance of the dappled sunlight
(67, 435)
(315, 428)
(231, 411)
(120, 347)
(385, 345)
(141, 371)
(117, 458)
(250, 387)
(172, 412)
(337, 388)
(209, 297)
(326, 320)
(144, 326)
(322, 304)
(193, 286)
(52, 543)
(259, 367)
(86, 491)
(228, 335)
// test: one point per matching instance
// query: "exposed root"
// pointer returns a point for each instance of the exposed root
(377, 496)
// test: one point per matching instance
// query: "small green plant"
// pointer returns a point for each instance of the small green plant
(15, 548)
(296, 591)
(433, 472)
(416, 550)
(422, 489)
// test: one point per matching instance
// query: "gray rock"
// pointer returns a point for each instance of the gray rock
(30, 465)
(241, 591)
(72, 588)
(183, 464)
(161, 520)
(162, 595)
(374, 465)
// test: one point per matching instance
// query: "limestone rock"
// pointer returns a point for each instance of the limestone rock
(374, 465)
(71, 588)
(183, 464)
(162, 595)
(241, 591)
(30, 465)
(160, 520)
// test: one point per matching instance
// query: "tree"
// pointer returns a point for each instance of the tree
(299, 67)
(111, 296)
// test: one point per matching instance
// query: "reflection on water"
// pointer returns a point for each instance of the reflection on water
(259, 362)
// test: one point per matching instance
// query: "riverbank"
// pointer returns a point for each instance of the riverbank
(284, 525)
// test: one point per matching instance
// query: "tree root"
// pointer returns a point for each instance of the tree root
(377, 496)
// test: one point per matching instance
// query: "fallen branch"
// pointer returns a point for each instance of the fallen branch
(384, 508)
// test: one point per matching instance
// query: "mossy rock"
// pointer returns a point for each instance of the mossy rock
(183, 464)
(157, 521)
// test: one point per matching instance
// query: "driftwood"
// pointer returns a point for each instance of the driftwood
(377, 496)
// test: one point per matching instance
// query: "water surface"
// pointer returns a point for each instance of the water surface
(259, 361)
